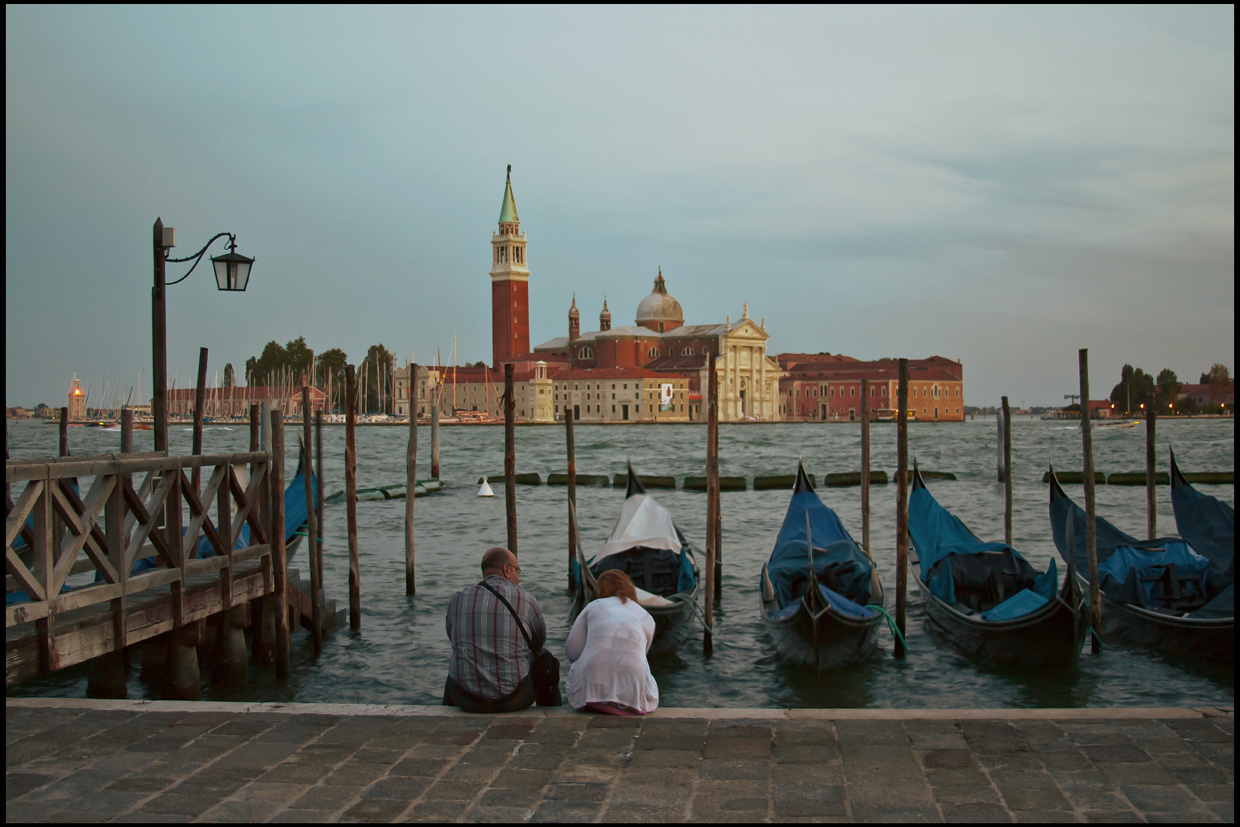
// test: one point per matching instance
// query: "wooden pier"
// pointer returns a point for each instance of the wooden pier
(99, 515)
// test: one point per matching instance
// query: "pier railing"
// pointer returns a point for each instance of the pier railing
(102, 514)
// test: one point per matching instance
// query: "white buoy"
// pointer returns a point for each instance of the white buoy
(485, 490)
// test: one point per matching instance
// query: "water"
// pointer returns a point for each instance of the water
(400, 655)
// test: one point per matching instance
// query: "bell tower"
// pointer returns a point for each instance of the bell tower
(574, 321)
(510, 284)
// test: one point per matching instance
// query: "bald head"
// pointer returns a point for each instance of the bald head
(495, 558)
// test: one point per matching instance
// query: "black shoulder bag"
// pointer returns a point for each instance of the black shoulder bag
(544, 667)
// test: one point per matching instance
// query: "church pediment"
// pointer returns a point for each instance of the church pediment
(748, 329)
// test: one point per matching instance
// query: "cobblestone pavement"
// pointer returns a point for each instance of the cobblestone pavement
(74, 760)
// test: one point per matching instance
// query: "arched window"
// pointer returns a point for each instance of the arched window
(585, 353)
(653, 352)
(687, 352)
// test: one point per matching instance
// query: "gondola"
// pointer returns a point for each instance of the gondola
(986, 597)
(818, 605)
(1158, 593)
(650, 548)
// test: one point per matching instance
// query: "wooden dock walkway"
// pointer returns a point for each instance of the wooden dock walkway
(212, 550)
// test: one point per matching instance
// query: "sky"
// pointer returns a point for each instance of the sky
(997, 185)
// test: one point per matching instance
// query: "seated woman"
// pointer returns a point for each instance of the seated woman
(607, 647)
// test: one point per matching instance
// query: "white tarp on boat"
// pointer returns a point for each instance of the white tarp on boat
(643, 522)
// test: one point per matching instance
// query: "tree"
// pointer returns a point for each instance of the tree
(1217, 375)
(1168, 388)
(230, 377)
(267, 367)
(1135, 388)
(331, 364)
(297, 357)
(378, 365)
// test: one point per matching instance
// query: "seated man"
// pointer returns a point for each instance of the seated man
(490, 666)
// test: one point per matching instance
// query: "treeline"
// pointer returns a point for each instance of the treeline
(1137, 389)
(294, 364)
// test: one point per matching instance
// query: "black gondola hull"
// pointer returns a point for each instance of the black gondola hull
(1211, 640)
(832, 641)
(1051, 636)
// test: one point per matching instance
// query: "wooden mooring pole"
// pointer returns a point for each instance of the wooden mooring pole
(279, 560)
(435, 440)
(127, 431)
(312, 536)
(411, 481)
(510, 459)
(901, 506)
(718, 516)
(200, 400)
(64, 432)
(1007, 472)
(1091, 531)
(572, 495)
(865, 465)
(1151, 498)
(350, 497)
(712, 496)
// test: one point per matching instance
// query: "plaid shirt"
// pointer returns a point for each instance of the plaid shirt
(489, 655)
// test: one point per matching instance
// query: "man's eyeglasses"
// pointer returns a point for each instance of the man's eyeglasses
(513, 566)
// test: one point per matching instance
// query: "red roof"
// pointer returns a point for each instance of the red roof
(591, 374)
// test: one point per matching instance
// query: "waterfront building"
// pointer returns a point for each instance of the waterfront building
(659, 342)
(821, 387)
(234, 402)
(1209, 397)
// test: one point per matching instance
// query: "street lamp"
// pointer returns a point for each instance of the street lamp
(232, 274)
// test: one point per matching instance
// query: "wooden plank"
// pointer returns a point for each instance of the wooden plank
(89, 633)
(21, 510)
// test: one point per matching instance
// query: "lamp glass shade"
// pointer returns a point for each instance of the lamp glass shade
(232, 271)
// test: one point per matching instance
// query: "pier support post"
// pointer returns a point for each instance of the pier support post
(279, 560)
(901, 505)
(1091, 530)
(127, 430)
(200, 398)
(232, 664)
(183, 679)
(865, 466)
(1151, 498)
(1007, 472)
(712, 513)
(108, 676)
(435, 440)
(510, 458)
(411, 481)
(312, 529)
(350, 498)
(572, 495)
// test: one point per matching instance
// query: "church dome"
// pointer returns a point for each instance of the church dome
(659, 306)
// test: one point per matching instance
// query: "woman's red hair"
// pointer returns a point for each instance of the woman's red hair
(614, 582)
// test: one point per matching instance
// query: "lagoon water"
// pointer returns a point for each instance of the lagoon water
(400, 654)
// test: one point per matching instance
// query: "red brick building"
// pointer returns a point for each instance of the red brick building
(824, 387)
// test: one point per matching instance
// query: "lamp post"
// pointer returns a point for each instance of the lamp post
(232, 274)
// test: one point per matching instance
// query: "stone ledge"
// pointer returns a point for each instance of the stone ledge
(436, 711)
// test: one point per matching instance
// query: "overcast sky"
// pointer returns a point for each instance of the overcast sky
(1001, 186)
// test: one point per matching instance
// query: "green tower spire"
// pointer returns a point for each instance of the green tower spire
(508, 212)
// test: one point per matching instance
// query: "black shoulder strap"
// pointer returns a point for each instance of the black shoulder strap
(484, 584)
